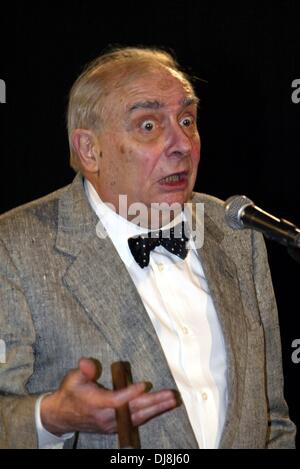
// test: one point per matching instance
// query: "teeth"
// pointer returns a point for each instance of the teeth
(173, 178)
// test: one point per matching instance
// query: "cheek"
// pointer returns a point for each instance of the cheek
(134, 159)
(127, 157)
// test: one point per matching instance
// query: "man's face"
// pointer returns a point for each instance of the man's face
(150, 146)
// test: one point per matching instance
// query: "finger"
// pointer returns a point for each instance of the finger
(115, 399)
(147, 413)
(87, 371)
(150, 399)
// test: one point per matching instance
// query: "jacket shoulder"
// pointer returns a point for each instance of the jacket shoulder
(30, 217)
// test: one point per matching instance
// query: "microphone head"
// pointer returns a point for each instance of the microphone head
(234, 207)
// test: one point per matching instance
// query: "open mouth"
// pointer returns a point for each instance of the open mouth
(174, 178)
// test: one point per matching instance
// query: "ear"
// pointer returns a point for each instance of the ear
(86, 145)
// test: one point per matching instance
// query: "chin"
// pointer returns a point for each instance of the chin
(175, 198)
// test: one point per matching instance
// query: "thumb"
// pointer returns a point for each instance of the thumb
(89, 370)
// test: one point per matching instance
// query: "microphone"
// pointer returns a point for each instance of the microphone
(241, 213)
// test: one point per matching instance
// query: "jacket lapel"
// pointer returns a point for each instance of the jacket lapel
(221, 275)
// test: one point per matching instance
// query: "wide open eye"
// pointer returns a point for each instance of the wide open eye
(148, 125)
(187, 121)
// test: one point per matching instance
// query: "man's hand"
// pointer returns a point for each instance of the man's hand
(81, 404)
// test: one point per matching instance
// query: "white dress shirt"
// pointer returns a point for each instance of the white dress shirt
(47, 440)
(177, 299)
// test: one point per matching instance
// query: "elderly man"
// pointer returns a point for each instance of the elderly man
(81, 278)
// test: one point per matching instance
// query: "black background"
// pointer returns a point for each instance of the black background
(246, 54)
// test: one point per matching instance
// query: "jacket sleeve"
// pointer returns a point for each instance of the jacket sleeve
(282, 431)
(17, 406)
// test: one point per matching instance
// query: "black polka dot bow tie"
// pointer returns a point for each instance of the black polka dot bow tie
(174, 240)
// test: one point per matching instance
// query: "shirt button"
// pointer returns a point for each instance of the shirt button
(185, 330)
(204, 396)
(160, 267)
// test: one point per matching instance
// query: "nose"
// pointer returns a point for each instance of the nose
(179, 143)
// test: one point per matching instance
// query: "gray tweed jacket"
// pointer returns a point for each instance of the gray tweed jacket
(65, 293)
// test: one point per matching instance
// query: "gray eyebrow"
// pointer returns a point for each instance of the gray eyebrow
(189, 101)
(185, 102)
(146, 105)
